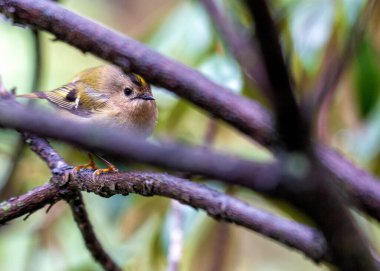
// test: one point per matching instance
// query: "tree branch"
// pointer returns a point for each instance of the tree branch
(363, 187)
(216, 204)
(240, 44)
(30, 202)
(119, 144)
(74, 198)
(290, 125)
(84, 224)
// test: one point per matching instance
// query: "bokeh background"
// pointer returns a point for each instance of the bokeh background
(135, 229)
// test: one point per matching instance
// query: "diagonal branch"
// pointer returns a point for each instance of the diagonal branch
(216, 204)
(30, 202)
(74, 198)
(289, 123)
(92, 243)
(240, 43)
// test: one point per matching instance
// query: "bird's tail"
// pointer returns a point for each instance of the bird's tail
(34, 95)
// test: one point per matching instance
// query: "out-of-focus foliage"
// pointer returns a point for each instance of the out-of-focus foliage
(136, 230)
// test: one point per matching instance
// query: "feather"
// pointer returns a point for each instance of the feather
(34, 95)
(73, 97)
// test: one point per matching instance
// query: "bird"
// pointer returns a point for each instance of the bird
(106, 94)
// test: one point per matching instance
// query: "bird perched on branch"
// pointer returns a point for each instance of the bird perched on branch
(106, 94)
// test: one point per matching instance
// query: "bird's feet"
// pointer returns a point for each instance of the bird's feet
(97, 171)
(91, 165)
(110, 168)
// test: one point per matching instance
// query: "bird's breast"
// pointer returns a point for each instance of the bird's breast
(140, 117)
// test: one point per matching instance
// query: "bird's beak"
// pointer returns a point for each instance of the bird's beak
(145, 97)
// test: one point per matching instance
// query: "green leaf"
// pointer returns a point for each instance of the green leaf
(367, 78)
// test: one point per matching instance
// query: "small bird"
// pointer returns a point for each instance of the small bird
(106, 94)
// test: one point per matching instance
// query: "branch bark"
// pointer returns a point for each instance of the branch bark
(121, 144)
(84, 224)
(74, 198)
(218, 205)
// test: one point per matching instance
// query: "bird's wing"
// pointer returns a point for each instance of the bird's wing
(81, 103)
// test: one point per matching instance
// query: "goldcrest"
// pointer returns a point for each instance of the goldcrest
(107, 94)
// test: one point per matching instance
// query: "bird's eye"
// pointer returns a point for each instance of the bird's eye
(127, 91)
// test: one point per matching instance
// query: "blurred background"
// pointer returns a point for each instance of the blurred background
(136, 230)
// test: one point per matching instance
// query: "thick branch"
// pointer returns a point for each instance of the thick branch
(289, 122)
(216, 204)
(30, 202)
(122, 144)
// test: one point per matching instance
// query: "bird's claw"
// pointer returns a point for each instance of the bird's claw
(99, 171)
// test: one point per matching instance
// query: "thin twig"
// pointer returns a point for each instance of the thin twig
(58, 166)
(92, 243)
(240, 43)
